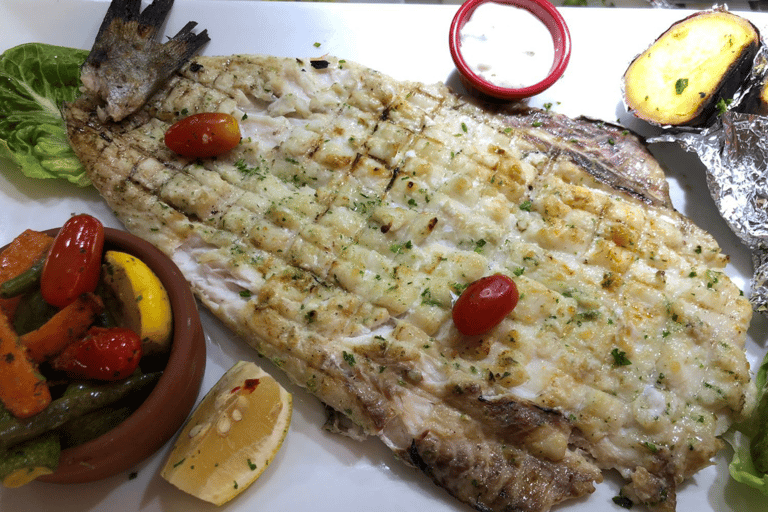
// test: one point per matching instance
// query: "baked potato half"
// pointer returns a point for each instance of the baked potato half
(698, 61)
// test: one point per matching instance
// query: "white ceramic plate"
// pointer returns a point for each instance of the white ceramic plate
(315, 470)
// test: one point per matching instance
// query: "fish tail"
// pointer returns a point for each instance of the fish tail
(127, 64)
(151, 18)
(186, 43)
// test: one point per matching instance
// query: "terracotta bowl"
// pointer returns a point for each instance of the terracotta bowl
(167, 406)
(549, 16)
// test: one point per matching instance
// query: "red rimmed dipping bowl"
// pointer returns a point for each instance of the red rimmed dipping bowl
(169, 403)
(541, 9)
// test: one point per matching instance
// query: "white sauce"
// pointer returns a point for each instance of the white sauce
(507, 46)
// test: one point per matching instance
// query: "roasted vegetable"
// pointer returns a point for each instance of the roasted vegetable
(103, 355)
(32, 313)
(67, 326)
(690, 68)
(61, 410)
(26, 461)
(73, 265)
(92, 425)
(23, 390)
(21, 254)
(26, 281)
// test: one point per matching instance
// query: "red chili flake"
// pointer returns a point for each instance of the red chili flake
(250, 384)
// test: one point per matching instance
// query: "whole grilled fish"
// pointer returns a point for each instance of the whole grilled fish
(336, 236)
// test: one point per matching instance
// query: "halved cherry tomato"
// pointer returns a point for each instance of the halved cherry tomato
(73, 264)
(103, 354)
(203, 135)
(484, 304)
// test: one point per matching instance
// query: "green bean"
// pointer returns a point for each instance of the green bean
(32, 313)
(61, 410)
(92, 425)
(28, 457)
(24, 282)
(5, 414)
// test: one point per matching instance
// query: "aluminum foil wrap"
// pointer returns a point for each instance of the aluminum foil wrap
(734, 150)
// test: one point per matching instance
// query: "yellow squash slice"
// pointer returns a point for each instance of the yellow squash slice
(232, 436)
(142, 301)
(23, 476)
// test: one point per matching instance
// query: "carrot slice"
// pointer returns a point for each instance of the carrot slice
(69, 324)
(20, 255)
(23, 391)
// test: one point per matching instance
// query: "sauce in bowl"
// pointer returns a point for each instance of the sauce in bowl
(509, 49)
(507, 46)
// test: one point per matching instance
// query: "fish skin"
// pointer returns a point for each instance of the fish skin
(127, 64)
(604, 149)
(277, 239)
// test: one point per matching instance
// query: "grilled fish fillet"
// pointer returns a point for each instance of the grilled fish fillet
(335, 238)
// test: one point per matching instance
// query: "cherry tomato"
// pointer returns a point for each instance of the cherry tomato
(105, 354)
(484, 304)
(203, 135)
(73, 264)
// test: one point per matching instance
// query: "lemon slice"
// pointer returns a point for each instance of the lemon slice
(232, 435)
(142, 301)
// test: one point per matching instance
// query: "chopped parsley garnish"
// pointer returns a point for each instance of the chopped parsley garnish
(623, 501)
(722, 105)
(620, 357)
(427, 299)
(680, 85)
(651, 446)
(398, 248)
(459, 287)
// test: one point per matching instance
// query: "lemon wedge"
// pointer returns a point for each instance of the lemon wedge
(232, 436)
(142, 301)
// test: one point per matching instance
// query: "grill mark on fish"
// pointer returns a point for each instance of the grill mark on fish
(395, 174)
(355, 305)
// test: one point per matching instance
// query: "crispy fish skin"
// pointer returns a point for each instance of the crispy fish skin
(336, 236)
(127, 64)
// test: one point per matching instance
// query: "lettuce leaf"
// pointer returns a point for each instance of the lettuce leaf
(35, 80)
(752, 432)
